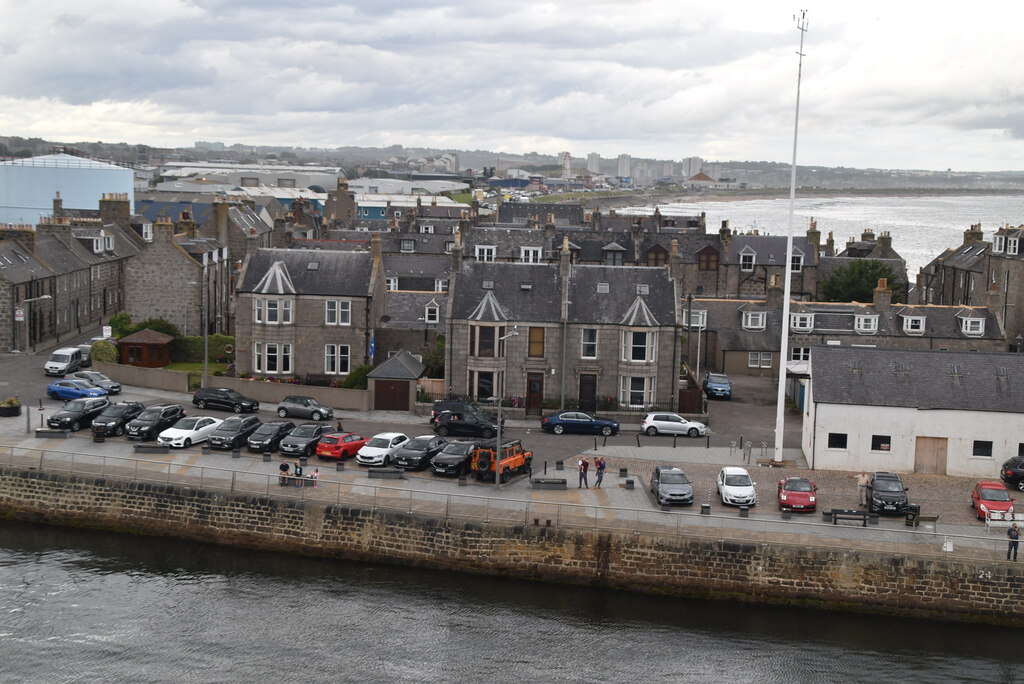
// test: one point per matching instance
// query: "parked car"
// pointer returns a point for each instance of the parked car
(304, 407)
(223, 398)
(86, 350)
(453, 459)
(340, 445)
(189, 430)
(459, 405)
(74, 389)
(302, 440)
(718, 385)
(268, 436)
(63, 361)
(417, 452)
(887, 493)
(672, 424)
(154, 420)
(234, 432)
(514, 459)
(78, 413)
(670, 485)
(577, 421)
(735, 487)
(991, 499)
(98, 379)
(113, 418)
(1012, 473)
(381, 449)
(798, 494)
(466, 424)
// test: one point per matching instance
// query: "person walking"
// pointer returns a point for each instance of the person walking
(862, 487)
(600, 465)
(1012, 534)
(284, 473)
(584, 467)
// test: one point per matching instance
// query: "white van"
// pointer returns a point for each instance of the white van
(63, 361)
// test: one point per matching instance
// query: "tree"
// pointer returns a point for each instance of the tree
(857, 281)
(158, 325)
(120, 324)
(433, 359)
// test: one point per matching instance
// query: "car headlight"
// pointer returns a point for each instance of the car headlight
(783, 498)
(811, 499)
(984, 508)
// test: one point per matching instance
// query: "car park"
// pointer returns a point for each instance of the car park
(304, 407)
(735, 487)
(442, 405)
(268, 436)
(98, 379)
(1012, 473)
(340, 445)
(234, 432)
(154, 420)
(514, 459)
(225, 399)
(465, 424)
(669, 485)
(990, 499)
(671, 424)
(63, 361)
(887, 494)
(114, 418)
(188, 431)
(417, 452)
(797, 494)
(381, 449)
(453, 459)
(578, 422)
(718, 386)
(302, 440)
(74, 389)
(78, 413)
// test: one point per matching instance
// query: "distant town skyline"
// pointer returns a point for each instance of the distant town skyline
(885, 85)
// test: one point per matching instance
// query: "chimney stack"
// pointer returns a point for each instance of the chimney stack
(775, 293)
(883, 294)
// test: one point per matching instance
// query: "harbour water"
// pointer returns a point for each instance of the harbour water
(83, 606)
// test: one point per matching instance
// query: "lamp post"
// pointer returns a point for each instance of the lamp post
(497, 448)
(28, 316)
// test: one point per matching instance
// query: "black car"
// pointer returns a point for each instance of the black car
(454, 459)
(226, 399)
(154, 420)
(115, 417)
(887, 493)
(98, 379)
(453, 405)
(466, 424)
(1012, 473)
(78, 413)
(417, 452)
(269, 435)
(234, 432)
(302, 440)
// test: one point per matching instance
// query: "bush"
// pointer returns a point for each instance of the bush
(357, 377)
(104, 352)
(157, 324)
(120, 324)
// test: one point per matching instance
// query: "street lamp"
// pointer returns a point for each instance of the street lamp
(504, 378)
(28, 316)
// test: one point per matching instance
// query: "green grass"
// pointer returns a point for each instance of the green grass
(463, 197)
(196, 367)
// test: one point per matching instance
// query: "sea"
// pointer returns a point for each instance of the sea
(84, 606)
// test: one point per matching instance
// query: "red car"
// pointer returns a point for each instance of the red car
(339, 445)
(798, 494)
(991, 496)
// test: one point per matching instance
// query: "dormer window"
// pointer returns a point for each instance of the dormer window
(484, 252)
(747, 261)
(999, 244)
(698, 319)
(147, 232)
(391, 284)
(755, 320)
(97, 245)
(801, 322)
(913, 325)
(432, 313)
(440, 284)
(449, 245)
(974, 327)
(108, 242)
(427, 230)
(866, 324)
(796, 263)
(408, 246)
(529, 255)
(1011, 245)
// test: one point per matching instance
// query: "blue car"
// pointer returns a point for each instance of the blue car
(577, 421)
(74, 389)
(718, 385)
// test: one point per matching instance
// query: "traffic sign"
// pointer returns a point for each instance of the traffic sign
(19, 313)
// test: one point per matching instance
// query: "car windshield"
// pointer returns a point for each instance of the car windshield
(98, 376)
(150, 414)
(737, 480)
(303, 432)
(186, 424)
(797, 486)
(457, 449)
(59, 358)
(76, 405)
(888, 486)
(417, 445)
(230, 426)
(328, 440)
(674, 478)
(379, 443)
(995, 495)
(114, 411)
(266, 430)
(718, 378)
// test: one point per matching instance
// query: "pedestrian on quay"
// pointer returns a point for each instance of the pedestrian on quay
(315, 475)
(1013, 534)
(338, 427)
(297, 469)
(584, 467)
(601, 465)
(284, 473)
(862, 487)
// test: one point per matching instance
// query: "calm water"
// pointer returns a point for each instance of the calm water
(80, 606)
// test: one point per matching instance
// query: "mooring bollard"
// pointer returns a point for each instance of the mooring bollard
(236, 453)
(339, 466)
(462, 481)
(558, 465)
(267, 456)
(623, 472)
(705, 509)
(744, 511)
(629, 483)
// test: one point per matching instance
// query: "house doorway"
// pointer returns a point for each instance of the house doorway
(930, 455)
(588, 392)
(534, 393)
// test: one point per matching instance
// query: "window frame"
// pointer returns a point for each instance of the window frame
(748, 261)
(834, 438)
(877, 443)
(485, 253)
(631, 344)
(799, 353)
(342, 315)
(909, 329)
(334, 357)
(860, 319)
(531, 255)
(797, 322)
(972, 327)
(982, 448)
(758, 359)
(628, 391)
(750, 319)
(584, 343)
(431, 314)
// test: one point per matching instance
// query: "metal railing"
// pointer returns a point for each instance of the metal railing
(527, 512)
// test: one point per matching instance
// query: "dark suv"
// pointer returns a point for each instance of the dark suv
(1012, 473)
(78, 413)
(154, 420)
(269, 435)
(454, 459)
(453, 405)
(226, 399)
(115, 417)
(465, 423)
(887, 493)
(234, 432)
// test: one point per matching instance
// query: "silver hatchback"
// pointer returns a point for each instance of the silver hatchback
(304, 407)
(672, 424)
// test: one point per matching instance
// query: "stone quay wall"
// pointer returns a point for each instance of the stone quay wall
(872, 582)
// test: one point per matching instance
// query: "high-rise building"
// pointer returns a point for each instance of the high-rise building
(623, 170)
(668, 170)
(565, 161)
(692, 166)
(594, 162)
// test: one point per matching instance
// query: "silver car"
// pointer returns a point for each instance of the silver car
(672, 424)
(304, 407)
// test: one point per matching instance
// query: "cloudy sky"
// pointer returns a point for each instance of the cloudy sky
(886, 84)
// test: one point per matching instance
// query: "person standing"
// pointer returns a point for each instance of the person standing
(315, 475)
(863, 480)
(600, 465)
(284, 472)
(584, 467)
(297, 471)
(1012, 534)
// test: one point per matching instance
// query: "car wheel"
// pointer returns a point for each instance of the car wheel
(558, 429)
(652, 431)
(75, 426)
(443, 431)
(53, 395)
(693, 432)
(606, 431)
(187, 443)
(282, 412)
(505, 475)
(119, 430)
(487, 433)
(387, 461)
(201, 404)
(1020, 484)
(238, 408)
(317, 416)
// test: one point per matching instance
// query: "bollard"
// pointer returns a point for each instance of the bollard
(558, 465)
(665, 507)
(629, 483)
(339, 466)
(705, 509)
(545, 466)
(98, 437)
(638, 439)
(303, 461)
(787, 513)
(595, 443)
(605, 442)
(744, 511)
(674, 437)
(708, 445)
(267, 456)
(623, 472)
(236, 453)
(462, 481)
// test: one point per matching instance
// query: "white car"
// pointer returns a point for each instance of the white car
(735, 487)
(672, 424)
(381, 449)
(189, 430)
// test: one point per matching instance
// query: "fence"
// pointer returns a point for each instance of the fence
(470, 507)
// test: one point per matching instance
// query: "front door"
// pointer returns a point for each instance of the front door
(534, 393)
(930, 455)
(588, 393)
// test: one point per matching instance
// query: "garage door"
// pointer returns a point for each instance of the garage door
(391, 395)
(930, 455)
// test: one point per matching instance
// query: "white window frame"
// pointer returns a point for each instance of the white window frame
(698, 319)
(530, 255)
(755, 320)
(485, 252)
(337, 356)
(865, 324)
(147, 232)
(759, 359)
(431, 313)
(440, 284)
(338, 312)
(748, 260)
(914, 325)
(973, 327)
(800, 354)
(95, 272)
(796, 263)
(427, 230)
(280, 352)
(391, 284)
(407, 246)
(591, 343)
(1011, 245)
(999, 244)
(630, 342)
(627, 392)
(801, 322)
(449, 245)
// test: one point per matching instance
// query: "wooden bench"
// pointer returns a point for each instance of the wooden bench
(837, 514)
(913, 520)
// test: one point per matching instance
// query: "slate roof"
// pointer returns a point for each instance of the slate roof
(401, 366)
(17, 265)
(247, 220)
(540, 303)
(590, 306)
(345, 274)
(922, 379)
(406, 309)
(770, 249)
(154, 209)
(966, 257)
(417, 265)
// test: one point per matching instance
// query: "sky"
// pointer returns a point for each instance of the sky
(897, 85)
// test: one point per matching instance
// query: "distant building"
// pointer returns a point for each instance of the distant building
(624, 166)
(692, 166)
(565, 161)
(594, 162)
